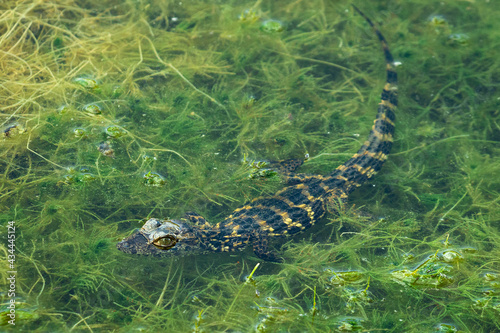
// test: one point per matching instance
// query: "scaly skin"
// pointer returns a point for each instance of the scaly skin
(291, 210)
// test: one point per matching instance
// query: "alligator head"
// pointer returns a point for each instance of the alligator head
(161, 238)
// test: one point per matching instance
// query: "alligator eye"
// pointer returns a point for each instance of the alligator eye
(165, 243)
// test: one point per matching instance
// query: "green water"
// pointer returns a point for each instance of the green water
(180, 95)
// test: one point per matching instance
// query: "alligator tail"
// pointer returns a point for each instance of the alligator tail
(373, 153)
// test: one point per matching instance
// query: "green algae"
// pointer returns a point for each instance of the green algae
(153, 179)
(96, 95)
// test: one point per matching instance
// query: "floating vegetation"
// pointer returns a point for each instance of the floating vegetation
(341, 278)
(451, 256)
(199, 319)
(459, 39)
(80, 133)
(92, 108)
(272, 26)
(249, 101)
(70, 178)
(262, 173)
(259, 169)
(438, 20)
(13, 130)
(440, 24)
(153, 179)
(271, 316)
(88, 83)
(16, 311)
(446, 328)
(63, 109)
(115, 132)
(148, 158)
(432, 273)
(75, 176)
(492, 280)
(249, 16)
(351, 325)
(357, 299)
(87, 177)
(106, 149)
(117, 91)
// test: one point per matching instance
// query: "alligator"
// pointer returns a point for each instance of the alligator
(291, 210)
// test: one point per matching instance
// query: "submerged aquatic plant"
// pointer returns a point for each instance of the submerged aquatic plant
(272, 26)
(197, 85)
(92, 108)
(115, 131)
(88, 83)
(153, 179)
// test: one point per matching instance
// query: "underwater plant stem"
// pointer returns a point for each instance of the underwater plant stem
(171, 151)
(445, 214)
(213, 100)
(210, 199)
(430, 144)
(39, 273)
(241, 289)
(82, 319)
(314, 307)
(167, 282)
(34, 152)
(160, 299)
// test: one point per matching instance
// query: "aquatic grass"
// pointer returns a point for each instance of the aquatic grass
(196, 89)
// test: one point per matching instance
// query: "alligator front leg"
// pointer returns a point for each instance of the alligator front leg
(261, 249)
(287, 168)
(206, 232)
